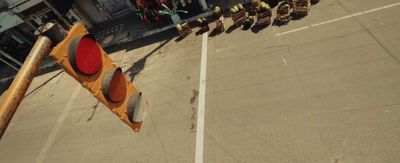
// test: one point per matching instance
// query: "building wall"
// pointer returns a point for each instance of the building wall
(27, 4)
(115, 7)
(9, 20)
(77, 13)
(18, 24)
(91, 11)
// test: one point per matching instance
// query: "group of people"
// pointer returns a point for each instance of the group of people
(238, 15)
(216, 17)
(262, 10)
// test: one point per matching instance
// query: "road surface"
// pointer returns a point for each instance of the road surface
(325, 88)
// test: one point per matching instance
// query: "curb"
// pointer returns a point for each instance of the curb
(159, 30)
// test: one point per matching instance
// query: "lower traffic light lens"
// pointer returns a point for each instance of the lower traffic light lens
(136, 110)
(114, 85)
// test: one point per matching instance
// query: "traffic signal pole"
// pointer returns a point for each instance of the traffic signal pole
(20, 85)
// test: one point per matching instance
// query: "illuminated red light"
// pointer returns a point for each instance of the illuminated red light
(85, 55)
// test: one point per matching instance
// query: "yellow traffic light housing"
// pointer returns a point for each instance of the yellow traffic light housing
(81, 57)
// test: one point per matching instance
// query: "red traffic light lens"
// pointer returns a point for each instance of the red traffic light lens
(85, 55)
(114, 85)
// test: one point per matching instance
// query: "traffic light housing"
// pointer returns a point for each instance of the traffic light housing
(81, 57)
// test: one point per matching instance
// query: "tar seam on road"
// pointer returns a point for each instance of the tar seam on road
(57, 127)
(201, 104)
(339, 19)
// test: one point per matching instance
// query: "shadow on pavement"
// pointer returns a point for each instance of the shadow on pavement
(215, 32)
(200, 32)
(258, 28)
(245, 28)
(138, 66)
(43, 84)
(131, 45)
(231, 28)
(298, 16)
(314, 2)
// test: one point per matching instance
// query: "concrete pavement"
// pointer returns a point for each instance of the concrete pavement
(324, 94)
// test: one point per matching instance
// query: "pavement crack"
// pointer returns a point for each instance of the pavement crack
(276, 46)
(194, 110)
(195, 94)
(93, 112)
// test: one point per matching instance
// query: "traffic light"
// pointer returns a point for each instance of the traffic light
(81, 57)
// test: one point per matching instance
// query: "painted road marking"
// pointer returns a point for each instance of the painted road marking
(339, 19)
(57, 127)
(222, 49)
(202, 101)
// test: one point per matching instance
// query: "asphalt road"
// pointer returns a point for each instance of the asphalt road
(325, 88)
(322, 89)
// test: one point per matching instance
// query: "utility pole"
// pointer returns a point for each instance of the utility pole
(20, 85)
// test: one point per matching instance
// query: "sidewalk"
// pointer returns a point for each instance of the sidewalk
(226, 4)
(119, 30)
(130, 28)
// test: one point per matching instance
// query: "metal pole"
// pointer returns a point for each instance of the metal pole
(20, 85)
(10, 58)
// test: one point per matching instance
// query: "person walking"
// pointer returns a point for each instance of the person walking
(217, 17)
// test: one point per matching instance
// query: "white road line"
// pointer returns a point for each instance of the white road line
(291, 31)
(339, 19)
(284, 61)
(222, 49)
(201, 102)
(50, 140)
